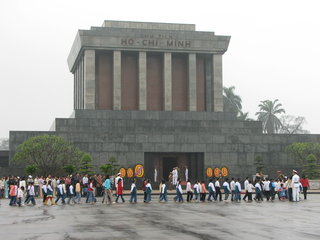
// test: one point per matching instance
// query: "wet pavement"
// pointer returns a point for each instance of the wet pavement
(212, 220)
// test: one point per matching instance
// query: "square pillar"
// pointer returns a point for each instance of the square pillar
(142, 81)
(192, 82)
(167, 68)
(89, 80)
(208, 83)
(116, 80)
(217, 84)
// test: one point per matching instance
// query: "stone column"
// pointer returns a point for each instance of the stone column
(142, 81)
(116, 80)
(167, 68)
(217, 83)
(208, 83)
(89, 79)
(192, 82)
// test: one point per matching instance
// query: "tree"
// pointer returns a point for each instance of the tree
(268, 111)
(311, 168)
(85, 164)
(300, 151)
(258, 162)
(111, 167)
(50, 153)
(69, 169)
(244, 116)
(231, 101)
(292, 125)
(31, 169)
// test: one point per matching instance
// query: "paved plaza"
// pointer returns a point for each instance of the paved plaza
(216, 220)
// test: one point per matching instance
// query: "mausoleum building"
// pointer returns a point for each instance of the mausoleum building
(151, 94)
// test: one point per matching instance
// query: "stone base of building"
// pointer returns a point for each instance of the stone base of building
(161, 139)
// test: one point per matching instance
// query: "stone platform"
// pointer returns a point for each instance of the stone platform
(221, 220)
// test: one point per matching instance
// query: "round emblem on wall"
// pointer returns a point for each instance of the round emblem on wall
(209, 172)
(122, 172)
(217, 172)
(224, 172)
(139, 170)
(129, 172)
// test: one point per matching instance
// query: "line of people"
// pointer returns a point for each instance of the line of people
(72, 189)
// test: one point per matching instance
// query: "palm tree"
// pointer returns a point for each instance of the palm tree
(244, 116)
(232, 102)
(268, 111)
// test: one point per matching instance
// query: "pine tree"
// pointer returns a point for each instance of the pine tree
(258, 162)
(85, 164)
(311, 168)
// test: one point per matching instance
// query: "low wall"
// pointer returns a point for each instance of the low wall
(314, 184)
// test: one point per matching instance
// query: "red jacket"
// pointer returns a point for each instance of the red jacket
(119, 188)
(304, 182)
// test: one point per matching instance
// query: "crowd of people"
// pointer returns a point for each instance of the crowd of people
(75, 189)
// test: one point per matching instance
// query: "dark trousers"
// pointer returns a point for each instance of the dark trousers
(218, 192)
(119, 195)
(250, 196)
(290, 194)
(189, 196)
(144, 196)
(202, 197)
(305, 192)
(246, 195)
(44, 197)
(267, 195)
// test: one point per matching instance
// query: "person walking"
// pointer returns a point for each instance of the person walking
(218, 189)
(212, 191)
(179, 192)
(120, 190)
(189, 191)
(163, 189)
(148, 191)
(246, 185)
(295, 186)
(133, 192)
(226, 189)
(305, 185)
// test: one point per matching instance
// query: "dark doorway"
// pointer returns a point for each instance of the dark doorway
(165, 162)
(168, 164)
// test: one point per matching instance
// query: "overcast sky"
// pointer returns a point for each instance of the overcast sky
(273, 53)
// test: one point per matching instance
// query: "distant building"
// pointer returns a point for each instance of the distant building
(151, 94)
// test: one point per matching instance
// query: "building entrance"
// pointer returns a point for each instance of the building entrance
(163, 163)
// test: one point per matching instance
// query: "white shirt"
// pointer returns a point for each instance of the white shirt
(226, 184)
(44, 188)
(258, 186)
(199, 188)
(217, 183)
(246, 184)
(85, 180)
(60, 187)
(132, 187)
(163, 188)
(20, 193)
(238, 185)
(31, 190)
(295, 180)
(266, 185)
(250, 187)
(196, 187)
(232, 185)
(149, 186)
(189, 187)
(179, 188)
(210, 185)
(71, 189)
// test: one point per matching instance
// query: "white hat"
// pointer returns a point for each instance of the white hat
(30, 176)
(295, 171)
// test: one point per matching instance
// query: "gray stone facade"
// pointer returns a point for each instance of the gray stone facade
(128, 135)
